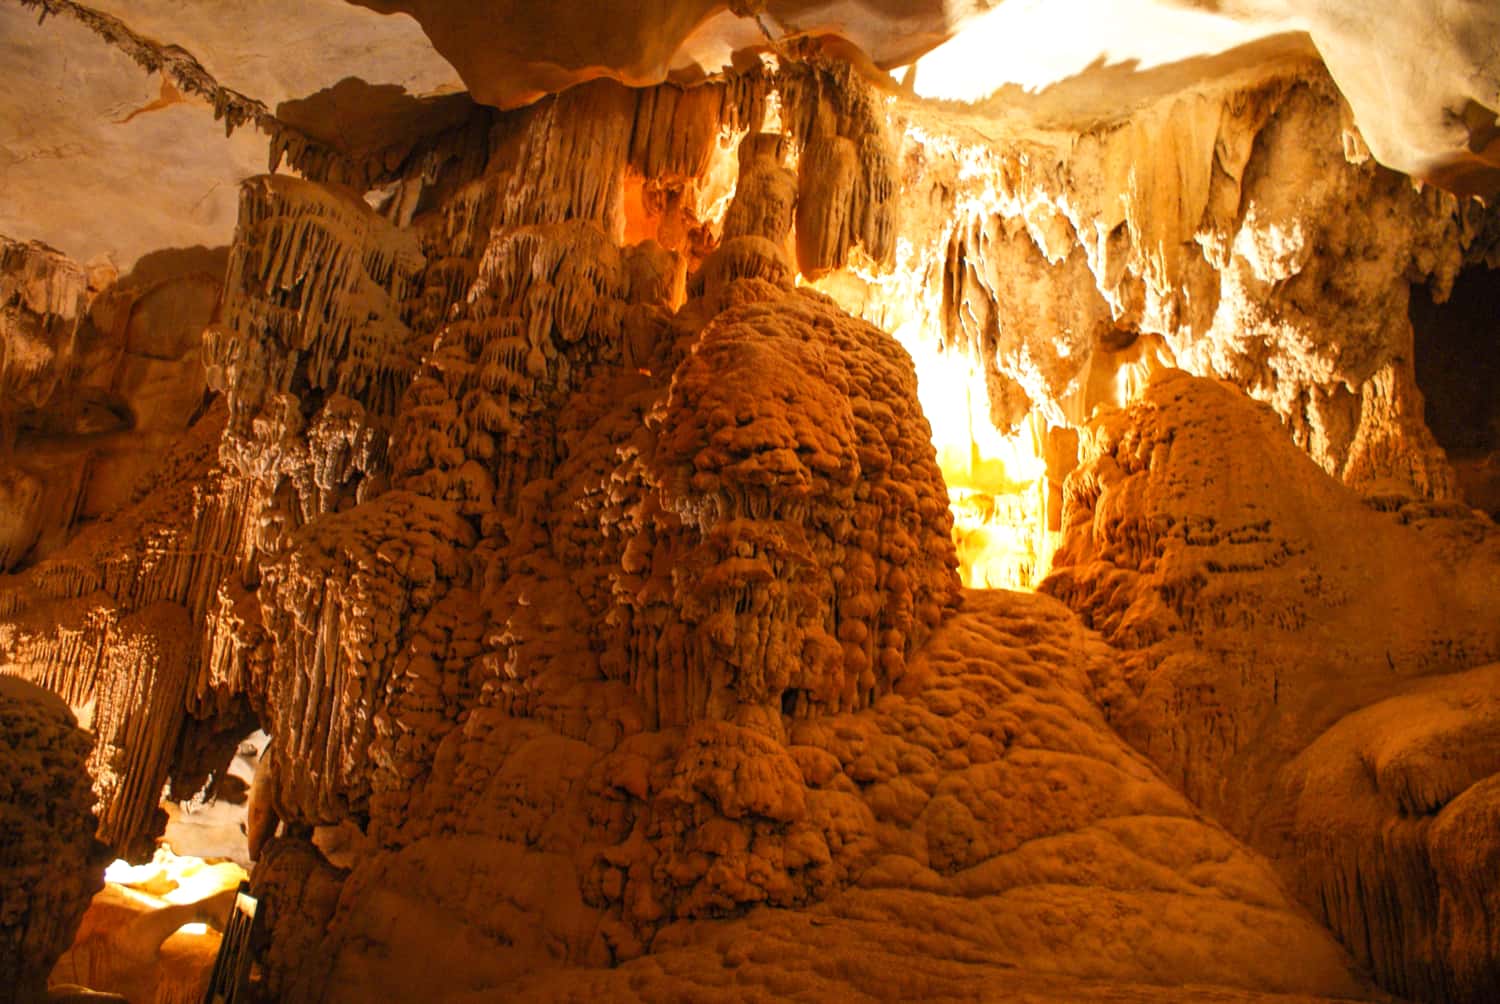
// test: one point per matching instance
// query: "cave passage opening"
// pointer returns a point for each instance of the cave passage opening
(1005, 479)
(153, 931)
(1458, 370)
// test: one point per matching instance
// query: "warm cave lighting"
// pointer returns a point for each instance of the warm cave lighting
(172, 879)
(152, 932)
(997, 485)
(999, 47)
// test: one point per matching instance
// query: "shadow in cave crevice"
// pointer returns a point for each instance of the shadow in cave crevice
(1458, 371)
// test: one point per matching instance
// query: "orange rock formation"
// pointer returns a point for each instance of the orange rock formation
(583, 483)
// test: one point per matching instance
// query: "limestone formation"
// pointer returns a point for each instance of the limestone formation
(1061, 268)
(1421, 78)
(48, 855)
(536, 539)
(1393, 822)
(1256, 606)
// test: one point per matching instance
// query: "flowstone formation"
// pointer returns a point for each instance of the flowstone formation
(977, 831)
(1312, 667)
(580, 497)
(743, 526)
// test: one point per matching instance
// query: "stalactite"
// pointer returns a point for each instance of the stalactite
(313, 350)
(360, 639)
(1173, 232)
(43, 296)
(335, 607)
(118, 621)
(139, 702)
(848, 188)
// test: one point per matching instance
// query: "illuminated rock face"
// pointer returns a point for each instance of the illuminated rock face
(1044, 273)
(596, 579)
(147, 935)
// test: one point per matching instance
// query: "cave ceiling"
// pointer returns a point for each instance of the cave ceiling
(88, 125)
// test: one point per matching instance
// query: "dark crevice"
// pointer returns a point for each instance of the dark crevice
(1458, 371)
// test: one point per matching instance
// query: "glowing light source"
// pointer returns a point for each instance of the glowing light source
(999, 47)
(170, 878)
(997, 486)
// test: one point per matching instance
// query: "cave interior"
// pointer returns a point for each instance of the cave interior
(891, 500)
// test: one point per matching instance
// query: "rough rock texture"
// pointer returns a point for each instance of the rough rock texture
(744, 528)
(42, 298)
(50, 863)
(101, 375)
(1422, 78)
(987, 819)
(1185, 222)
(313, 548)
(1256, 606)
(594, 582)
(1394, 825)
(767, 528)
